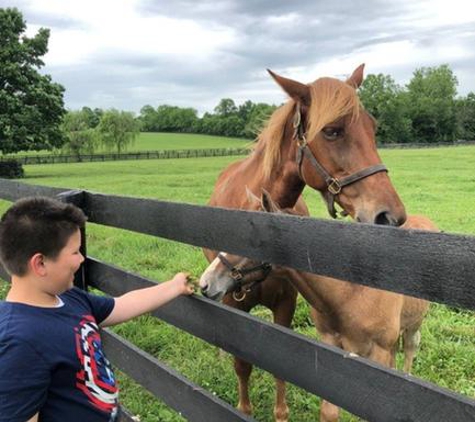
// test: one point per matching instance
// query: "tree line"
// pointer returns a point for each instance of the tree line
(33, 116)
(241, 121)
(426, 110)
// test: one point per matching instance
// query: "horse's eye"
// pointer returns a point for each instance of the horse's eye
(332, 133)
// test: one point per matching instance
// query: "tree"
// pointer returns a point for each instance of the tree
(225, 108)
(91, 117)
(465, 112)
(384, 99)
(80, 137)
(148, 117)
(431, 103)
(31, 105)
(118, 129)
(257, 119)
(175, 119)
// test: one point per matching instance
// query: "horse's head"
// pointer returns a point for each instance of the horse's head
(335, 149)
(236, 274)
(232, 273)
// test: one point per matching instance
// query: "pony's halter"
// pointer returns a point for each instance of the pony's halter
(241, 288)
(334, 185)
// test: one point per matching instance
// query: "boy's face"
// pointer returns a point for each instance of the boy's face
(60, 271)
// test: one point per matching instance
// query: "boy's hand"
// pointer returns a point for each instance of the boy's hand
(183, 281)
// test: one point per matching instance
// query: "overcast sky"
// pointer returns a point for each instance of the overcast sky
(191, 53)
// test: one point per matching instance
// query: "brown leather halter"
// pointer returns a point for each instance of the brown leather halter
(240, 288)
(334, 185)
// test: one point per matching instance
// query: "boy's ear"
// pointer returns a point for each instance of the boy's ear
(37, 264)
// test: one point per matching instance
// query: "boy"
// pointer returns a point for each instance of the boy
(52, 367)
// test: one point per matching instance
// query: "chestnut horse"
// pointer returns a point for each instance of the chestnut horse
(323, 138)
(356, 318)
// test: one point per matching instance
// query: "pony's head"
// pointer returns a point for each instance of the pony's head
(229, 273)
(334, 147)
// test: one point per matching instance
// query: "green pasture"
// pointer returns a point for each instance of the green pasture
(154, 141)
(439, 183)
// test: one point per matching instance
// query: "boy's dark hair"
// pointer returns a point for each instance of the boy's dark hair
(36, 225)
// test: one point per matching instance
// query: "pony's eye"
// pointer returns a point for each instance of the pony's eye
(332, 133)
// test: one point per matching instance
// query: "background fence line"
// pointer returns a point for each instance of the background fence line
(141, 155)
(186, 153)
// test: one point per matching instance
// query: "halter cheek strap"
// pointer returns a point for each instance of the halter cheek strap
(238, 274)
(334, 185)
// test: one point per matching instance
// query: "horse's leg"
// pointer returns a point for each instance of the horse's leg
(411, 342)
(382, 355)
(243, 371)
(242, 368)
(328, 411)
(283, 315)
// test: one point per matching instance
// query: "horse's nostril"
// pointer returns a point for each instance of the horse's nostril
(204, 290)
(384, 218)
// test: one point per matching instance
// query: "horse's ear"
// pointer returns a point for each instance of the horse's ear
(296, 90)
(251, 197)
(356, 79)
(268, 204)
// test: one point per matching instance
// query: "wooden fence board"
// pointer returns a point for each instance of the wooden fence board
(125, 416)
(188, 399)
(11, 190)
(358, 385)
(435, 266)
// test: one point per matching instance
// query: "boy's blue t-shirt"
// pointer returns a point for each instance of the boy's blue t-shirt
(51, 361)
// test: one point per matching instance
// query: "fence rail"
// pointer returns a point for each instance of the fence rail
(435, 266)
(141, 155)
(390, 145)
(185, 153)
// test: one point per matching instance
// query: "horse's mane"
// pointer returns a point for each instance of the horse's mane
(331, 99)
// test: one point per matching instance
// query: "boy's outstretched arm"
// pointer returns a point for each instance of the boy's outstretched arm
(138, 302)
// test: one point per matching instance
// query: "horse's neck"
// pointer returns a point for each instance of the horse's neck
(324, 293)
(284, 184)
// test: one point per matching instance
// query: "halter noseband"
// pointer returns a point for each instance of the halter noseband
(238, 274)
(334, 185)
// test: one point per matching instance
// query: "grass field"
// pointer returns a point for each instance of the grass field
(439, 183)
(168, 141)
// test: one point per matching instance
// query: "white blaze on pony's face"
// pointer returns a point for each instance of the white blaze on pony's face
(215, 282)
(231, 273)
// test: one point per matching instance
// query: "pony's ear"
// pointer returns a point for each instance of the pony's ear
(268, 205)
(296, 90)
(356, 79)
(251, 197)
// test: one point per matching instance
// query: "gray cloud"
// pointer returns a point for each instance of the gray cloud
(278, 34)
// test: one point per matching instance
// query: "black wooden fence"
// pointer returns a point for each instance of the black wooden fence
(184, 153)
(123, 156)
(435, 266)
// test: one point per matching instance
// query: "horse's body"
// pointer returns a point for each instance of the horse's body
(323, 138)
(356, 318)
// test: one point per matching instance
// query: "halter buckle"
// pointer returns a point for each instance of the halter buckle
(301, 141)
(334, 187)
(236, 274)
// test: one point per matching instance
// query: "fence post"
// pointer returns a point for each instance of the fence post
(77, 197)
